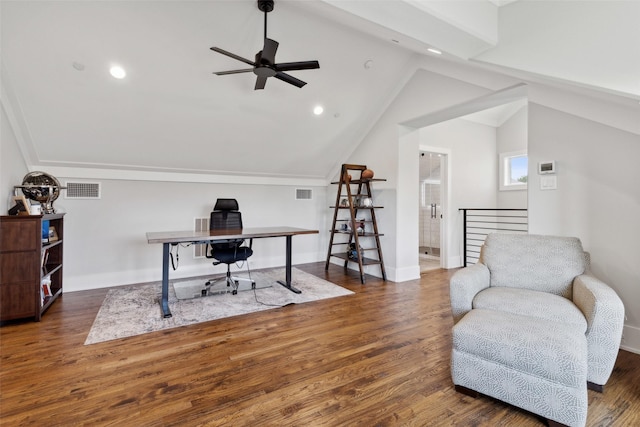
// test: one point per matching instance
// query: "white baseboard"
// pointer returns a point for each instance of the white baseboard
(453, 262)
(403, 274)
(630, 339)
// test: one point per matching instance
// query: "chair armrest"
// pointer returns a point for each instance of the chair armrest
(464, 286)
(604, 312)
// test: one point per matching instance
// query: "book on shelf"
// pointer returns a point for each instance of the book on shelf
(46, 287)
(45, 231)
(44, 258)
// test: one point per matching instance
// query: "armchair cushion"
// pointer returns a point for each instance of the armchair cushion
(536, 304)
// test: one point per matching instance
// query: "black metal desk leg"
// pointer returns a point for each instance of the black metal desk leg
(287, 283)
(165, 281)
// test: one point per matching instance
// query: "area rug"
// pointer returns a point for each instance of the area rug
(135, 310)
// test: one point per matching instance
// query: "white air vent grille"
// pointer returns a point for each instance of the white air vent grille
(304, 194)
(201, 224)
(82, 190)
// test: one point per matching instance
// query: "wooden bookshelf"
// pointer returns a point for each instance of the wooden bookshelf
(27, 261)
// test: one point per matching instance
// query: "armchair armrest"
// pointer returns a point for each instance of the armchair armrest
(604, 312)
(464, 285)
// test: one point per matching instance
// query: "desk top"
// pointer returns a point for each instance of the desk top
(207, 236)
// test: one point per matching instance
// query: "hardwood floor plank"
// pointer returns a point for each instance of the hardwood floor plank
(378, 357)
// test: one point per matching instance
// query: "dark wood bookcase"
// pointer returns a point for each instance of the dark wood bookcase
(29, 260)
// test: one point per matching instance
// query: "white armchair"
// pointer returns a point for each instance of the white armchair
(531, 316)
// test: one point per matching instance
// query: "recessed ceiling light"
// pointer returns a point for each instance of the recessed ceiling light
(436, 51)
(117, 72)
(317, 110)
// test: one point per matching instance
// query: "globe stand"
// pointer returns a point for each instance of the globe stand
(44, 197)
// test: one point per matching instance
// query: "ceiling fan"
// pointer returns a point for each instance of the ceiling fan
(265, 65)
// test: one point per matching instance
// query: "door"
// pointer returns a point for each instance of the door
(430, 205)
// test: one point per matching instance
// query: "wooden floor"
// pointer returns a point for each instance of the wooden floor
(376, 358)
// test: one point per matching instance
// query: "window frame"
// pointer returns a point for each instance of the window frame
(505, 171)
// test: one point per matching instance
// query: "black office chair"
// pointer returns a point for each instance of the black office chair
(226, 216)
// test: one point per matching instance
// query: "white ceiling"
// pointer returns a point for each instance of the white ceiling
(172, 114)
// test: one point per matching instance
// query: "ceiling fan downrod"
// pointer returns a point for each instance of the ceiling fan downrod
(265, 6)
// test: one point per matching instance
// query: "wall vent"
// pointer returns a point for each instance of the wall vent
(201, 224)
(82, 190)
(304, 194)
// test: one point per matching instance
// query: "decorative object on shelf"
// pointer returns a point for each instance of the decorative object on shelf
(363, 201)
(41, 187)
(21, 206)
(366, 174)
(352, 253)
(344, 203)
(53, 234)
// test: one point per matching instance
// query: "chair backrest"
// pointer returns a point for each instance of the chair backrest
(226, 216)
(542, 263)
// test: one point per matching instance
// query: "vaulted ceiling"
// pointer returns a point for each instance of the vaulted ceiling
(170, 113)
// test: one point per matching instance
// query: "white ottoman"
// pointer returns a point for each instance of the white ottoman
(535, 364)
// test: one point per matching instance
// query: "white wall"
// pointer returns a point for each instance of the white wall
(12, 165)
(512, 136)
(597, 200)
(105, 240)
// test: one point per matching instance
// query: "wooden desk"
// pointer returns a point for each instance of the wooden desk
(168, 238)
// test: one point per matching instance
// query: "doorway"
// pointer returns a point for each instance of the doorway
(430, 215)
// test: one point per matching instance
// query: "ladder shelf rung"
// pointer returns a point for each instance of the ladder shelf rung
(365, 261)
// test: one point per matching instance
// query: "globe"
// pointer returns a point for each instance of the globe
(41, 187)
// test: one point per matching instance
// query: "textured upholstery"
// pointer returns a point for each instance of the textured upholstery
(604, 312)
(532, 303)
(544, 263)
(532, 325)
(539, 366)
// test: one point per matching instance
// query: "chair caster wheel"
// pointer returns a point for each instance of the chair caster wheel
(253, 285)
(204, 292)
(234, 292)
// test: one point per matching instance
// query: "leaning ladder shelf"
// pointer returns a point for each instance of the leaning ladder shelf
(354, 198)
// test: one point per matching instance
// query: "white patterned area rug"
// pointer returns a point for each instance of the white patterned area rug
(135, 310)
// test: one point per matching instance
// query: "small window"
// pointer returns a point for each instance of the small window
(513, 170)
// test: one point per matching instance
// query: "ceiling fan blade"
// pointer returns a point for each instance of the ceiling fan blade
(224, 73)
(302, 65)
(269, 51)
(289, 79)
(260, 82)
(233, 55)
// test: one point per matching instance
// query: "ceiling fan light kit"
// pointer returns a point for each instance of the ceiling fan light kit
(264, 65)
